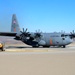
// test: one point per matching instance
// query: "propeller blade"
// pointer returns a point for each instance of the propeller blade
(23, 29)
(26, 30)
(73, 31)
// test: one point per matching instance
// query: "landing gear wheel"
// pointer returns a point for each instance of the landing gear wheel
(35, 46)
(64, 46)
(46, 46)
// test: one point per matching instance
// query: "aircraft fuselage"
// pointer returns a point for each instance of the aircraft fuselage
(50, 39)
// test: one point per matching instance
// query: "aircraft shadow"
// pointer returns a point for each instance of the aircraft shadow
(19, 47)
(22, 47)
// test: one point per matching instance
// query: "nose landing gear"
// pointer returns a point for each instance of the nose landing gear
(64, 46)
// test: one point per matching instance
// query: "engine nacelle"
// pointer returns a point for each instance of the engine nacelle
(17, 37)
(18, 34)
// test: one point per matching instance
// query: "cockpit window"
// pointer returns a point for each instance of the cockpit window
(63, 35)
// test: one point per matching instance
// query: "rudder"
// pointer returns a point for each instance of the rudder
(15, 26)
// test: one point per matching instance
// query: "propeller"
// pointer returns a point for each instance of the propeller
(38, 34)
(72, 34)
(24, 34)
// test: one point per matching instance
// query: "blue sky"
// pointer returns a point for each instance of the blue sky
(46, 15)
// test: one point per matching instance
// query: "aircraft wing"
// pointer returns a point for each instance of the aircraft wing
(11, 34)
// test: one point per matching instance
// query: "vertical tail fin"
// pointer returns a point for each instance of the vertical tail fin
(15, 26)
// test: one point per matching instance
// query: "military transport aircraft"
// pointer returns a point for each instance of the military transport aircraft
(37, 39)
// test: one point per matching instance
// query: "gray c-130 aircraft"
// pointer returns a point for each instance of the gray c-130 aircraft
(37, 39)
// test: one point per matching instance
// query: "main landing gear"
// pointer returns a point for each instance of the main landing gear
(64, 46)
(35, 46)
(46, 46)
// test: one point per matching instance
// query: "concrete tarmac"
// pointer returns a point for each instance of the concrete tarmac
(24, 60)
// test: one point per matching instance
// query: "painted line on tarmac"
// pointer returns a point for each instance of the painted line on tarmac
(30, 50)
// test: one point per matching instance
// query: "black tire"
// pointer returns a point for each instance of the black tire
(46, 46)
(35, 46)
(64, 46)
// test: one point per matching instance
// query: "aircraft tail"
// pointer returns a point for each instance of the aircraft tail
(15, 26)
